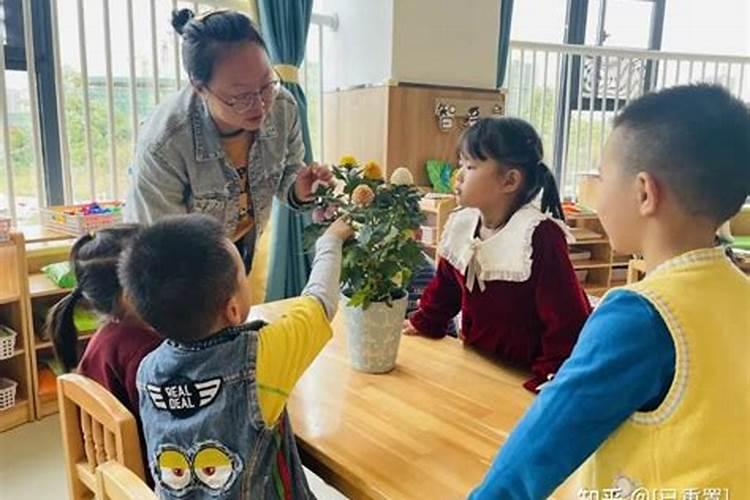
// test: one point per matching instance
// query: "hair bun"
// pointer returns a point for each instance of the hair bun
(180, 18)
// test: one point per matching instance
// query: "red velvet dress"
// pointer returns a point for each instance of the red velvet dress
(532, 323)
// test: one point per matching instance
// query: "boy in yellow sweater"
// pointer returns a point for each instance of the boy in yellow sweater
(213, 395)
(656, 394)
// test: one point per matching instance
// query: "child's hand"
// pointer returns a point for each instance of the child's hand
(408, 328)
(340, 229)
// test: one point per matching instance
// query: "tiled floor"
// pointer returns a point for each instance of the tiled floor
(31, 464)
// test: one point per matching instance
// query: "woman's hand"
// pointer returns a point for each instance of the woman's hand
(308, 180)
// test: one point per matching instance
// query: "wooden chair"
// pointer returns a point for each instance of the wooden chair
(96, 428)
(636, 270)
(116, 482)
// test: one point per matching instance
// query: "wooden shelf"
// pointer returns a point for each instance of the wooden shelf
(13, 296)
(41, 286)
(579, 243)
(595, 289)
(616, 283)
(14, 416)
(17, 352)
(47, 345)
(590, 264)
(47, 405)
(9, 298)
(40, 234)
(582, 235)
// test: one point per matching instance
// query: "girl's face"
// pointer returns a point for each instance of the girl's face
(484, 184)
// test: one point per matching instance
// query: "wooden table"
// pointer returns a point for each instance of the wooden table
(427, 430)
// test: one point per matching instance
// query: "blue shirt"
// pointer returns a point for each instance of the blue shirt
(623, 363)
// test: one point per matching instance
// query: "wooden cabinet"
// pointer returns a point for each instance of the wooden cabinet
(13, 315)
(42, 248)
(397, 126)
(597, 266)
(437, 211)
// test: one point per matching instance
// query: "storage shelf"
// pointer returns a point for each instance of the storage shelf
(14, 416)
(16, 353)
(595, 289)
(41, 286)
(47, 404)
(590, 264)
(47, 345)
(599, 241)
(9, 298)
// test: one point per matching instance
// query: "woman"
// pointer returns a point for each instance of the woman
(227, 143)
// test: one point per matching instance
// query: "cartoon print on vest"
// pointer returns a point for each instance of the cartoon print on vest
(209, 466)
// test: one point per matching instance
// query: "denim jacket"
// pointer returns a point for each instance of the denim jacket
(204, 430)
(180, 165)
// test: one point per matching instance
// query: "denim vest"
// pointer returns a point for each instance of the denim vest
(205, 434)
(180, 165)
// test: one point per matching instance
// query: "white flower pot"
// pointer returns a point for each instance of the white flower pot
(374, 334)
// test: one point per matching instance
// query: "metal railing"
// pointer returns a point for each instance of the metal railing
(571, 93)
(95, 167)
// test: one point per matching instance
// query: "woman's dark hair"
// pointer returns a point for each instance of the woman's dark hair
(94, 259)
(514, 143)
(206, 37)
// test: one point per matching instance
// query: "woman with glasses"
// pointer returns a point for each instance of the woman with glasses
(228, 142)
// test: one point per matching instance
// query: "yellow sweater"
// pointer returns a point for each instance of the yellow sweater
(698, 439)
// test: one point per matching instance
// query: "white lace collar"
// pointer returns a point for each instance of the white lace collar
(505, 256)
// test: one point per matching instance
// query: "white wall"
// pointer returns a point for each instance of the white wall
(440, 42)
(359, 52)
(446, 42)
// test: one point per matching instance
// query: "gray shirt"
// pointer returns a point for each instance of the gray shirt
(323, 283)
(180, 165)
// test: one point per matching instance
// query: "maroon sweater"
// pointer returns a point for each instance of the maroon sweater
(533, 324)
(112, 358)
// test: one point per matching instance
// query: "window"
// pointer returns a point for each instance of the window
(115, 64)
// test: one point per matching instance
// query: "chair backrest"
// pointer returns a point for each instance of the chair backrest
(114, 481)
(636, 270)
(96, 428)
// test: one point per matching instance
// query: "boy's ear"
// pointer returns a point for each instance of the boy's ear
(649, 194)
(233, 312)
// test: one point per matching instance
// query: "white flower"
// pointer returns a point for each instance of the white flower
(402, 177)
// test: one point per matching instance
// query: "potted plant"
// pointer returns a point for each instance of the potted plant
(379, 261)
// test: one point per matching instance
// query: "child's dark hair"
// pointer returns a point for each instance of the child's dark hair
(179, 274)
(514, 143)
(696, 140)
(93, 260)
(206, 37)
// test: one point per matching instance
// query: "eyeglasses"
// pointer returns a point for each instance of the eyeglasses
(244, 102)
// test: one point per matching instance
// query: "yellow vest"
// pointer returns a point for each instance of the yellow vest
(698, 439)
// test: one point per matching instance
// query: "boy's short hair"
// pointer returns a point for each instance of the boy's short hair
(179, 274)
(695, 139)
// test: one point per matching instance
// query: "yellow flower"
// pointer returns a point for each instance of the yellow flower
(362, 195)
(398, 279)
(372, 171)
(348, 161)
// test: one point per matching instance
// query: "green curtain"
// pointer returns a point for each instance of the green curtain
(503, 44)
(285, 25)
